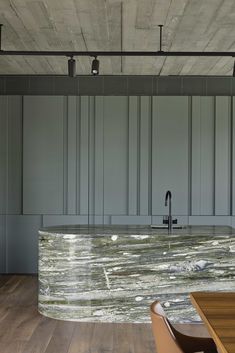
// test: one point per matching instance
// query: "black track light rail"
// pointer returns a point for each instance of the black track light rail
(117, 53)
(95, 54)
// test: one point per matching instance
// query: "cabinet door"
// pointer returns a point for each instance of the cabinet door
(43, 155)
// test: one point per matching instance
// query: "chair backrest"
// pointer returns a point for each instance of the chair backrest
(165, 339)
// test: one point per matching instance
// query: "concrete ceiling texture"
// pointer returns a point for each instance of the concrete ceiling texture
(200, 25)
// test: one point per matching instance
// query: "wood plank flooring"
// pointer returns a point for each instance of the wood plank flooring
(24, 330)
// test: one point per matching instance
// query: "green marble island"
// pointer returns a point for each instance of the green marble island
(113, 273)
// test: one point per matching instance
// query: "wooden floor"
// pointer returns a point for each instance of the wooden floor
(24, 330)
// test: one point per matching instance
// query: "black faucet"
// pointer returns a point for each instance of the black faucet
(169, 220)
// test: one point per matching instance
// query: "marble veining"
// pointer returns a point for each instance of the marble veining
(113, 273)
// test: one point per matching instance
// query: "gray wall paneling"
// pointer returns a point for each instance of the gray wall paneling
(131, 149)
(170, 154)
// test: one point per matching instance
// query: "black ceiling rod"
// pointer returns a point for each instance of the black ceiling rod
(160, 34)
(70, 54)
(1, 36)
(234, 69)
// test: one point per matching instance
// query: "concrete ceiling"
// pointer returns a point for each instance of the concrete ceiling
(118, 25)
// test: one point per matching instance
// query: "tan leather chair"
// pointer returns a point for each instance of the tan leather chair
(169, 340)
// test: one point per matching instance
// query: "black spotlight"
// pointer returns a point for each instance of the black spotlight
(72, 67)
(95, 67)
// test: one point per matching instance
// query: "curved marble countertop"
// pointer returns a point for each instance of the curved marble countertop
(113, 273)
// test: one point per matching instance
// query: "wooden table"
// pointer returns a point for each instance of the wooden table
(217, 310)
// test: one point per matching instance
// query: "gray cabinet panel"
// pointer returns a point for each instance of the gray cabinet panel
(3, 154)
(115, 155)
(99, 156)
(91, 161)
(203, 155)
(55, 220)
(207, 155)
(10, 154)
(145, 156)
(233, 160)
(170, 154)
(22, 243)
(72, 155)
(196, 157)
(43, 155)
(133, 156)
(83, 141)
(14, 155)
(222, 155)
(2, 243)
